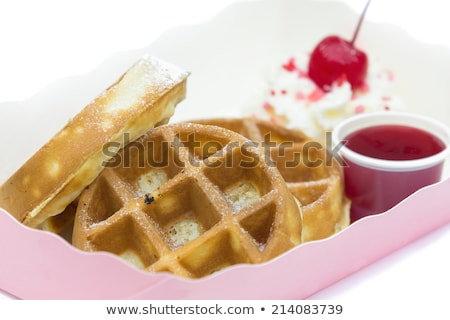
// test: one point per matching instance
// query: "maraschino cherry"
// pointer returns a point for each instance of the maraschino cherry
(334, 58)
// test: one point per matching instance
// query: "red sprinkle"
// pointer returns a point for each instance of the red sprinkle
(302, 74)
(300, 95)
(272, 92)
(387, 108)
(365, 87)
(390, 75)
(359, 109)
(267, 106)
(283, 91)
(290, 65)
(316, 95)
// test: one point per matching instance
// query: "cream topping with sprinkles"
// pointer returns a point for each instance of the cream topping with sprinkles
(291, 98)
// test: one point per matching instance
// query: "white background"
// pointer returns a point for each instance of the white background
(44, 40)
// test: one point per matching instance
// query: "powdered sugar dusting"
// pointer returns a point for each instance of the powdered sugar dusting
(150, 75)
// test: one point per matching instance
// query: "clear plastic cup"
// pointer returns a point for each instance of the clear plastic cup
(375, 185)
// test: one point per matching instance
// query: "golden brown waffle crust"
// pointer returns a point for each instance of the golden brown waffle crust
(113, 215)
(144, 96)
(320, 190)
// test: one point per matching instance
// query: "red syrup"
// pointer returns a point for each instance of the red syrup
(394, 142)
(374, 191)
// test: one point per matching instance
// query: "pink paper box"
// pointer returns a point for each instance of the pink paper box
(39, 265)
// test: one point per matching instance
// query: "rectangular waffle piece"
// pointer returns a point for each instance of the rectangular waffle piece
(144, 97)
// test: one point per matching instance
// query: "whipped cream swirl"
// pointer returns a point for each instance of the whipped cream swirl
(292, 99)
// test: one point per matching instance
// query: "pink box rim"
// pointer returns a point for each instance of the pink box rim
(46, 267)
(39, 265)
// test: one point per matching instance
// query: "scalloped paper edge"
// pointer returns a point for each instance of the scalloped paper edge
(40, 265)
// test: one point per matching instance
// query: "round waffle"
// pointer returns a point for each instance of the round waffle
(189, 199)
(145, 96)
(310, 171)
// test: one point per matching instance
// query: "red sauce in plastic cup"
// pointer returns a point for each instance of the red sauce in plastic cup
(388, 156)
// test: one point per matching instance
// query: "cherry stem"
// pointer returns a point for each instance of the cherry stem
(361, 18)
